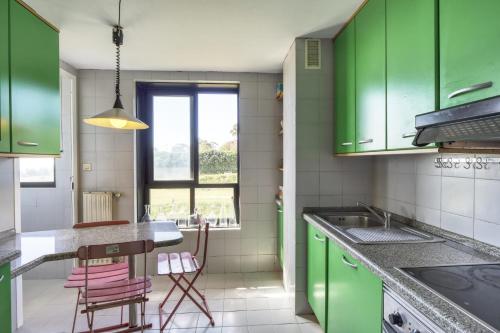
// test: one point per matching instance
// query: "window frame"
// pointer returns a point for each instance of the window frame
(51, 184)
(145, 144)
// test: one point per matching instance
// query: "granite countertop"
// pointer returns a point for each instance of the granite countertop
(34, 248)
(383, 260)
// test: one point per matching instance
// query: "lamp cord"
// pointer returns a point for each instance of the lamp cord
(118, 42)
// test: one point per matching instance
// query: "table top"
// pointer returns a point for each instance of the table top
(41, 246)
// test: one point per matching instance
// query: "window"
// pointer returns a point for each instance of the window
(188, 159)
(37, 172)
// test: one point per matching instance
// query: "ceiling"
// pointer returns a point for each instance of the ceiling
(191, 35)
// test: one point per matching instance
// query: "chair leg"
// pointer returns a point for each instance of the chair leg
(76, 311)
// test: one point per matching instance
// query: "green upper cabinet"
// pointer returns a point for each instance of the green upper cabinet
(5, 310)
(345, 104)
(354, 295)
(34, 70)
(4, 78)
(370, 77)
(469, 50)
(411, 67)
(316, 272)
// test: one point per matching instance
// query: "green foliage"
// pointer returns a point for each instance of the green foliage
(218, 162)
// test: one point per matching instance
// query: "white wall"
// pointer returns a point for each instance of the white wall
(320, 178)
(253, 248)
(464, 201)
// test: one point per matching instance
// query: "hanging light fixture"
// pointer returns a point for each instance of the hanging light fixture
(117, 117)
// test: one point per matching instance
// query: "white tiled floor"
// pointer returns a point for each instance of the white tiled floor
(241, 303)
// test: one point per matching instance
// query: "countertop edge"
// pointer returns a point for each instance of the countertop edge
(9, 256)
(390, 278)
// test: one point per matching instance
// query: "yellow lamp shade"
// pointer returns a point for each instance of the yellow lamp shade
(116, 118)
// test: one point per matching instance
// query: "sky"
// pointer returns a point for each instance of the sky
(217, 114)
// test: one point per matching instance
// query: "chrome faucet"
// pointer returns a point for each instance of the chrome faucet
(386, 220)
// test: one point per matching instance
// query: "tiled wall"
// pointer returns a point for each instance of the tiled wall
(321, 179)
(253, 248)
(461, 200)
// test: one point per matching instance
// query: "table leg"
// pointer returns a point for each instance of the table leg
(132, 308)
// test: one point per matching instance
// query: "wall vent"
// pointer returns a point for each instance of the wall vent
(313, 54)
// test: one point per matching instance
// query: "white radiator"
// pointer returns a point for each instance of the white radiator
(97, 206)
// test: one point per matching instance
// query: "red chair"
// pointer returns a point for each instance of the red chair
(99, 273)
(176, 266)
(97, 295)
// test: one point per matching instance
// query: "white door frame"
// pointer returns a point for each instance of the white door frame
(74, 141)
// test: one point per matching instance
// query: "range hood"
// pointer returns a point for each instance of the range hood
(475, 125)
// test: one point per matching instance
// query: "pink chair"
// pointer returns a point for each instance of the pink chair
(97, 274)
(97, 295)
(176, 266)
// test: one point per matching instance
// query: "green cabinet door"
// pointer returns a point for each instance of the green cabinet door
(344, 82)
(5, 312)
(469, 37)
(4, 78)
(280, 235)
(35, 101)
(317, 272)
(370, 77)
(411, 67)
(354, 295)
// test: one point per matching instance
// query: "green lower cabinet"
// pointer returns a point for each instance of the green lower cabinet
(5, 311)
(34, 83)
(280, 235)
(354, 295)
(317, 273)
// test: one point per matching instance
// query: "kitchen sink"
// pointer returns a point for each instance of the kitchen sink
(366, 228)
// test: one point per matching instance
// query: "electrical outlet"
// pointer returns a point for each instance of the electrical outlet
(87, 167)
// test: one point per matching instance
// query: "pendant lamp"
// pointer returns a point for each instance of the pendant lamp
(117, 117)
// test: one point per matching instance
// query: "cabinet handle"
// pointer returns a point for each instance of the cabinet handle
(1, 278)
(408, 135)
(472, 88)
(319, 239)
(346, 144)
(27, 143)
(346, 262)
(362, 142)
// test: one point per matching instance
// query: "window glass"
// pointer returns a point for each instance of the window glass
(216, 205)
(218, 138)
(37, 171)
(169, 204)
(172, 138)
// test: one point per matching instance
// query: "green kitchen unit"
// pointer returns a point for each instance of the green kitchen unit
(317, 244)
(344, 82)
(280, 233)
(469, 51)
(370, 77)
(411, 67)
(4, 78)
(34, 83)
(5, 310)
(354, 295)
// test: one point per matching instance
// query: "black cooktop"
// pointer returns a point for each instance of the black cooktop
(475, 288)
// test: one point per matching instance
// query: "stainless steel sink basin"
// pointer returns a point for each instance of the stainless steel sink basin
(365, 228)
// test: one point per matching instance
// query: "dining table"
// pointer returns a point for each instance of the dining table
(34, 248)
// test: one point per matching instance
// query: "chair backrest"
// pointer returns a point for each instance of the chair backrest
(84, 225)
(205, 245)
(115, 249)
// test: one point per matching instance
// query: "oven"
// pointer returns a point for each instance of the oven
(399, 316)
